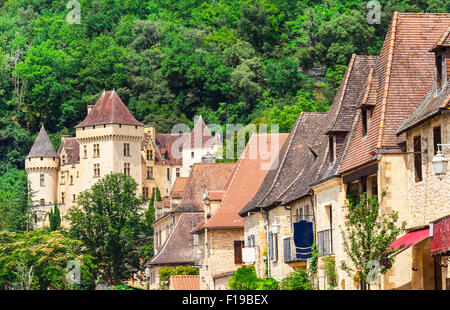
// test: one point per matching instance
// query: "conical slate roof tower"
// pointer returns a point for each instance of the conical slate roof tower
(42, 146)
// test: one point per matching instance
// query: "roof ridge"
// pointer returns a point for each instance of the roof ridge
(344, 91)
(387, 79)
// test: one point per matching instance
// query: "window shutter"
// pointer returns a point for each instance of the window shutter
(271, 245)
(238, 252)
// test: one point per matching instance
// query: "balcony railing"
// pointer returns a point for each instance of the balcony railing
(290, 251)
(325, 242)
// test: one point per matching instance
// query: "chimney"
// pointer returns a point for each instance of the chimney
(89, 108)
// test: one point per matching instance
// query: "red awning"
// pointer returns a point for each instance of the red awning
(440, 242)
(410, 238)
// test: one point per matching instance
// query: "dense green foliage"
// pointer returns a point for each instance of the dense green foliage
(111, 207)
(41, 258)
(14, 201)
(231, 61)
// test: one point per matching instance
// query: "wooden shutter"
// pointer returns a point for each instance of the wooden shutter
(238, 245)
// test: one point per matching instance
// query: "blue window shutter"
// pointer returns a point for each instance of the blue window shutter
(271, 245)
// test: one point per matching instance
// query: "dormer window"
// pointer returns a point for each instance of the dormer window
(366, 115)
(332, 148)
(440, 63)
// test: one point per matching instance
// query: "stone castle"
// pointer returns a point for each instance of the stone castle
(110, 140)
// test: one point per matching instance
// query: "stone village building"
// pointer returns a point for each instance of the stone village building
(109, 140)
(173, 243)
(220, 235)
(283, 198)
(366, 152)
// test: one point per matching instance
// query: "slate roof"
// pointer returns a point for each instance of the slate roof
(203, 176)
(42, 146)
(404, 72)
(352, 95)
(109, 109)
(432, 105)
(298, 162)
(250, 171)
(184, 282)
(72, 148)
(179, 247)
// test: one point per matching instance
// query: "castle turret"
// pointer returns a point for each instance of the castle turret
(110, 141)
(42, 165)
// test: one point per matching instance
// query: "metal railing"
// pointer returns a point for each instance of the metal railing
(290, 252)
(325, 242)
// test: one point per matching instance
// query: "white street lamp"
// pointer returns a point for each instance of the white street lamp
(440, 163)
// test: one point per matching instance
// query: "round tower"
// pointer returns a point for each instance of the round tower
(42, 165)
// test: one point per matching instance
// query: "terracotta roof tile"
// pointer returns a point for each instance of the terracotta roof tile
(345, 108)
(252, 167)
(164, 143)
(404, 73)
(204, 176)
(72, 148)
(109, 109)
(184, 282)
(432, 105)
(178, 187)
(297, 163)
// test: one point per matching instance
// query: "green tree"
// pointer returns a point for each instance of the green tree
(112, 208)
(55, 218)
(15, 200)
(367, 234)
(166, 271)
(42, 256)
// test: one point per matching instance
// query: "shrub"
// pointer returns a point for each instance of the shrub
(268, 284)
(244, 278)
(297, 280)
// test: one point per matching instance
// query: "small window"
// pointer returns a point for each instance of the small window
(436, 138)
(42, 180)
(126, 149)
(149, 155)
(64, 159)
(126, 169)
(96, 150)
(74, 198)
(63, 178)
(85, 151)
(238, 245)
(168, 174)
(63, 197)
(439, 71)
(332, 148)
(71, 180)
(418, 159)
(192, 154)
(177, 172)
(96, 170)
(42, 202)
(365, 119)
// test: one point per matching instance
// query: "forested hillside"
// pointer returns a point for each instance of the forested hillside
(233, 61)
